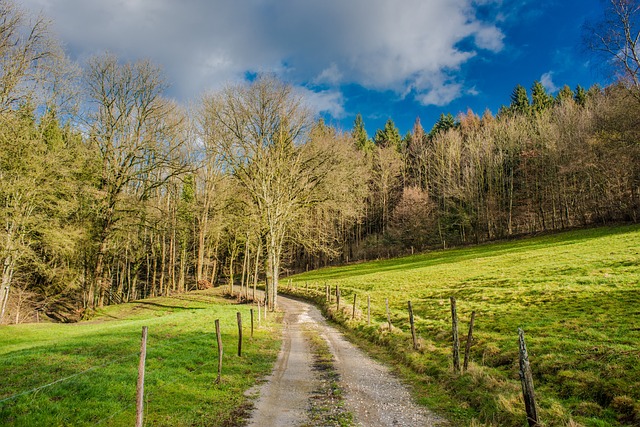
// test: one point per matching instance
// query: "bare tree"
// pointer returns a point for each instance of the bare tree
(260, 126)
(139, 136)
(617, 37)
(264, 138)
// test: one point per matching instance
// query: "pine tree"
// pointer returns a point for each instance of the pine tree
(580, 96)
(389, 136)
(541, 100)
(359, 134)
(519, 101)
(444, 123)
(564, 95)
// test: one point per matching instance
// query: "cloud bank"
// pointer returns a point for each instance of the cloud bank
(414, 48)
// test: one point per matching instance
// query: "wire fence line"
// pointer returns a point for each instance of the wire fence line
(104, 365)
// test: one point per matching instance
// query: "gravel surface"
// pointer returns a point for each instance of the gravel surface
(372, 394)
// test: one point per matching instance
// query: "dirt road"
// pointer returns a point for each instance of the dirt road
(372, 395)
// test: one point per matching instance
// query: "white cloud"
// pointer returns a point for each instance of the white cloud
(547, 81)
(325, 101)
(330, 75)
(408, 47)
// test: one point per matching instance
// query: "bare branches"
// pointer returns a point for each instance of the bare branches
(33, 68)
(617, 38)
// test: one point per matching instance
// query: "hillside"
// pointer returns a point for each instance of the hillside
(575, 294)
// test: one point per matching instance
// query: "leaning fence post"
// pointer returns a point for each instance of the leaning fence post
(337, 298)
(413, 328)
(140, 385)
(219, 339)
(467, 347)
(456, 341)
(526, 377)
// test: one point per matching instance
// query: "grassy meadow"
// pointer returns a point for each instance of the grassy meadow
(575, 294)
(85, 373)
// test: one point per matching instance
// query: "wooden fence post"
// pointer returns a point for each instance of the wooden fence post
(259, 313)
(140, 385)
(388, 313)
(353, 313)
(467, 347)
(526, 377)
(219, 339)
(456, 341)
(251, 311)
(337, 298)
(239, 316)
(368, 310)
(413, 327)
(327, 293)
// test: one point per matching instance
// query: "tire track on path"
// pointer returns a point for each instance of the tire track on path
(372, 393)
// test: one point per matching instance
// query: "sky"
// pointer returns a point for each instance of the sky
(398, 59)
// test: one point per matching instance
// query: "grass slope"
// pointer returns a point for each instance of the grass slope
(575, 294)
(97, 362)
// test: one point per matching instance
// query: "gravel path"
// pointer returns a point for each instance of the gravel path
(371, 393)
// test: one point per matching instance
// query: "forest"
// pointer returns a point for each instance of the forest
(110, 191)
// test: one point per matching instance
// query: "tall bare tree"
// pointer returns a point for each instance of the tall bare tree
(264, 138)
(139, 136)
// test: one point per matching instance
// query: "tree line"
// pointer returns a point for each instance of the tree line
(112, 192)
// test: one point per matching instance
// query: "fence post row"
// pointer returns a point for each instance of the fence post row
(456, 342)
(140, 385)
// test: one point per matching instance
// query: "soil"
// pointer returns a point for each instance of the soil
(365, 392)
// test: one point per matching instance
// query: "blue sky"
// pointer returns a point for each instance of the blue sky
(398, 59)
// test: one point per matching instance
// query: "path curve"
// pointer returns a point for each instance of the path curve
(372, 393)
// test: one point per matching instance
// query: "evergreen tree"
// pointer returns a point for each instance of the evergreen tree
(565, 94)
(359, 134)
(444, 123)
(580, 96)
(541, 100)
(519, 101)
(389, 136)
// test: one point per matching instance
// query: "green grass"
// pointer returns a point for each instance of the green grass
(575, 294)
(95, 363)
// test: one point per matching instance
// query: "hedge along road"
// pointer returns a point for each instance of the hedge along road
(371, 393)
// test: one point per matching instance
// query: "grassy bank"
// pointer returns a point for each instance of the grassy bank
(575, 294)
(85, 373)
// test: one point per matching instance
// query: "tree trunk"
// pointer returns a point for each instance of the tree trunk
(255, 272)
(99, 274)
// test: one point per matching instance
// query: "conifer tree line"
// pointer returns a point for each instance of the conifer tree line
(111, 192)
